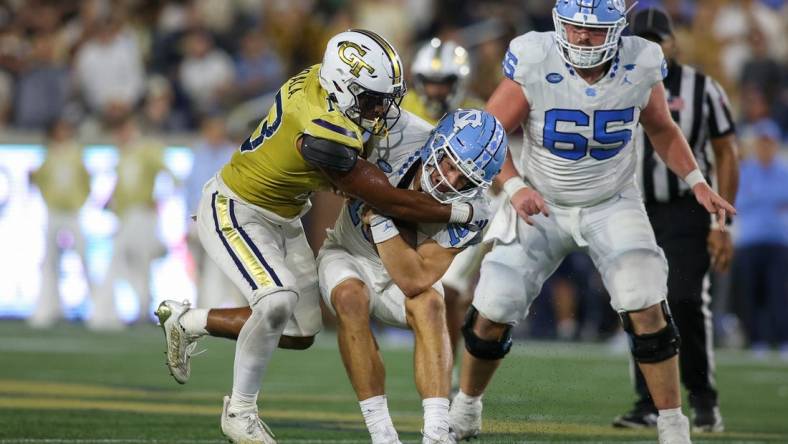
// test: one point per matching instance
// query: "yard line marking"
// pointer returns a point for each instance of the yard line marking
(38, 403)
(22, 387)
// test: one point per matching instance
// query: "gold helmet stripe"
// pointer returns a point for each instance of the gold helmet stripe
(388, 49)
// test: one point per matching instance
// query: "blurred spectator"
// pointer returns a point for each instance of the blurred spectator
(109, 71)
(389, 18)
(206, 71)
(761, 256)
(212, 151)
(764, 73)
(64, 184)
(258, 69)
(136, 243)
(754, 105)
(295, 32)
(735, 22)
(158, 112)
(42, 86)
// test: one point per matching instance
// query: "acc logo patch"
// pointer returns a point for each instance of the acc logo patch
(351, 54)
(664, 68)
(554, 77)
(384, 166)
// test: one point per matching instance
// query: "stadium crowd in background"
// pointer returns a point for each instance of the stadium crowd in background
(171, 65)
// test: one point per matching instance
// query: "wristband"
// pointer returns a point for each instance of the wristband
(382, 228)
(513, 185)
(693, 178)
(460, 213)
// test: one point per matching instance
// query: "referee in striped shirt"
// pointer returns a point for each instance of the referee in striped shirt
(691, 241)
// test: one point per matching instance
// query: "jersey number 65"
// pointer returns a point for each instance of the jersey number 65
(614, 141)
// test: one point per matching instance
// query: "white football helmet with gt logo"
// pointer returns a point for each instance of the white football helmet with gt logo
(363, 75)
(446, 63)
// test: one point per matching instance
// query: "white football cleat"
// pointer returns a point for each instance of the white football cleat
(673, 429)
(180, 346)
(245, 427)
(447, 438)
(465, 420)
(385, 434)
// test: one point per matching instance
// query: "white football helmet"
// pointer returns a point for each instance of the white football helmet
(446, 63)
(363, 75)
(604, 15)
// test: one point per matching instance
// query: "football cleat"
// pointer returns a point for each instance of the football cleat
(465, 420)
(245, 427)
(447, 438)
(637, 418)
(673, 429)
(385, 435)
(180, 346)
(707, 420)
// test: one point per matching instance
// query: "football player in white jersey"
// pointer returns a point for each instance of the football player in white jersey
(366, 268)
(578, 94)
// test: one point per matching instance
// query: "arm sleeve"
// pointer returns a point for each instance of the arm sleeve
(720, 120)
(328, 154)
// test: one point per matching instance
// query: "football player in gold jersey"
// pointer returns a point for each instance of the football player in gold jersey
(248, 220)
(440, 74)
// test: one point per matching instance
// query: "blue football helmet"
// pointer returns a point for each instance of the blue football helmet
(610, 15)
(475, 142)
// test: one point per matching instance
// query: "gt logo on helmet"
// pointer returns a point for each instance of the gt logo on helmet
(353, 59)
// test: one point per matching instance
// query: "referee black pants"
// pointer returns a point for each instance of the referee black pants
(681, 228)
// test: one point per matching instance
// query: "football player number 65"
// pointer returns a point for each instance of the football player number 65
(613, 141)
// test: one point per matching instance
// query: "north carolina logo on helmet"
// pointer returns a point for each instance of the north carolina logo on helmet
(470, 117)
(354, 59)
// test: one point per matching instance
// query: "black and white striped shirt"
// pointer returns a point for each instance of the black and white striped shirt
(700, 107)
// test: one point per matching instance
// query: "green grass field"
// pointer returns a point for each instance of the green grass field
(72, 386)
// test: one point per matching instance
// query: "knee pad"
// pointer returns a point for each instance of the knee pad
(274, 305)
(483, 348)
(656, 347)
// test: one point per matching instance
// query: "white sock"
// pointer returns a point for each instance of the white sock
(195, 321)
(256, 342)
(467, 401)
(436, 417)
(376, 413)
(670, 412)
(242, 402)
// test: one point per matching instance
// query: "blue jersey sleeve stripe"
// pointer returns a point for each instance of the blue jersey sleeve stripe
(509, 64)
(335, 128)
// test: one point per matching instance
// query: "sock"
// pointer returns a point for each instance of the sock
(256, 342)
(242, 402)
(436, 417)
(466, 400)
(670, 412)
(195, 321)
(376, 413)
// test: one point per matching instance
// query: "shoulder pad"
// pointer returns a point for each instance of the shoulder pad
(650, 63)
(525, 51)
(337, 128)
